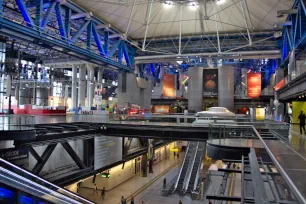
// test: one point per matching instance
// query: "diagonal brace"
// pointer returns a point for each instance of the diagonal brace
(73, 155)
(44, 158)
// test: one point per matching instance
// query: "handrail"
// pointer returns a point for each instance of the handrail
(299, 196)
(190, 168)
(198, 171)
(37, 181)
(179, 175)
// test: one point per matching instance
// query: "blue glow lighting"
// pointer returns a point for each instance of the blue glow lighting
(4, 193)
(26, 200)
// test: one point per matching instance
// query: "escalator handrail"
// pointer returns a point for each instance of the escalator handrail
(66, 192)
(189, 170)
(198, 170)
(179, 175)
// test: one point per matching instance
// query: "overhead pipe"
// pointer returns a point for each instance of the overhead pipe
(209, 54)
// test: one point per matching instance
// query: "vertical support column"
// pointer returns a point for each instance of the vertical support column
(106, 41)
(66, 94)
(82, 86)
(100, 74)
(90, 84)
(41, 97)
(89, 36)
(67, 22)
(74, 87)
(120, 52)
(226, 87)
(144, 165)
(195, 89)
(17, 91)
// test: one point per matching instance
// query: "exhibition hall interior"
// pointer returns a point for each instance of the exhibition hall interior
(152, 101)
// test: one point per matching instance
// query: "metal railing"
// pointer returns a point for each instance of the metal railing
(16, 122)
(226, 128)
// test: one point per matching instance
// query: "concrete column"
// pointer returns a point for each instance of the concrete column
(132, 90)
(100, 74)
(82, 86)
(73, 87)
(90, 84)
(195, 89)
(42, 96)
(25, 95)
(66, 94)
(279, 75)
(17, 91)
(226, 86)
(144, 165)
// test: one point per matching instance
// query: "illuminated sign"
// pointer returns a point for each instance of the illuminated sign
(105, 175)
(254, 85)
(210, 82)
(168, 85)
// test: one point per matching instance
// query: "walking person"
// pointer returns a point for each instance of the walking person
(95, 189)
(123, 200)
(103, 193)
(302, 118)
(132, 200)
(180, 202)
(165, 182)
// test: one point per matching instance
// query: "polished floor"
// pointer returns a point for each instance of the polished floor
(136, 183)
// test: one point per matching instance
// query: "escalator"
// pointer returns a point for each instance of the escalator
(20, 186)
(186, 166)
(193, 182)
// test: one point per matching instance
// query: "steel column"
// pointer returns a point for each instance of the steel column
(89, 36)
(106, 41)
(39, 10)
(147, 25)
(97, 39)
(73, 155)
(67, 22)
(60, 21)
(47, 15)
(24, 11)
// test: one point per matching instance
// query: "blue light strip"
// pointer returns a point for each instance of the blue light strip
(97, 39)
(6, 194)
(24, 12)
(47, 15)
(60, 21)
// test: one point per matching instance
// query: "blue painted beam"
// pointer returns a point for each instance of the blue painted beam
(89, 36)
(1, 8)
(79, 32)
(126, 53)
(97, 39)
(24, 12)
(113, 49)
(132, 54)
(60, 21)
(106, 41)
(38, 12)
(47, 15)
(120, 51)
(67, 21)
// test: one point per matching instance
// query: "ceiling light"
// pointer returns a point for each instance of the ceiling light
(168, 4)
(220, 2)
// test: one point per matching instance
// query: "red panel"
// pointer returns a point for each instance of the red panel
(280, 84)
(254, 85)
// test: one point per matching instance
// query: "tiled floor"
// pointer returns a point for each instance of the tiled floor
(131, 186)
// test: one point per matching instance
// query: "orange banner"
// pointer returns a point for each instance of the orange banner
(162, 109)
(280, 84)
(168, 85)
(254, 85)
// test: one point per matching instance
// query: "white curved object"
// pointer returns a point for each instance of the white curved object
(216, 112)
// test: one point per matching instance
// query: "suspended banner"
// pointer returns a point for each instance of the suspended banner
(254, 85)
(168, 85)
(210, 82)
